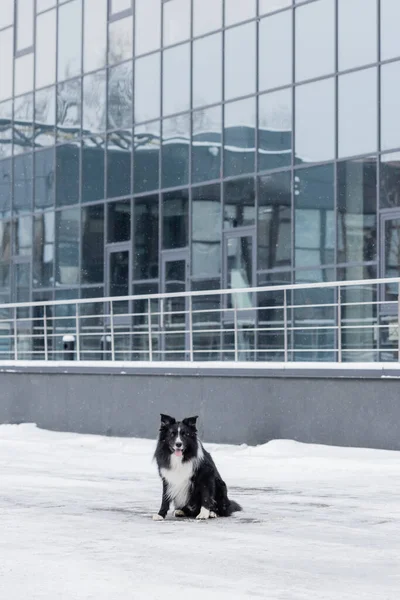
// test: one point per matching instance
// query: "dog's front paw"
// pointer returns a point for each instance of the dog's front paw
(158, 518)
(203, 514)
(179, 513)
(213, 515)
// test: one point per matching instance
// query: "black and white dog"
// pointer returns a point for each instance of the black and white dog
(189, 476)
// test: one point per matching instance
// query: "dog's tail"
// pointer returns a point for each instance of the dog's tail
(234, 507)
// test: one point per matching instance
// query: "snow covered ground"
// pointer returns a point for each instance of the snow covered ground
(319, 523)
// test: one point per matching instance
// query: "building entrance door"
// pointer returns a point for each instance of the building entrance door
(174, 311)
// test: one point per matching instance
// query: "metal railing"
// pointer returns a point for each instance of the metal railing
(342, 321)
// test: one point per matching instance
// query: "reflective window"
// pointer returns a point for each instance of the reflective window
(5, 241)
(118, 167)
(146, 218)
(148, 26)
(146, 163)
(176, 21)
(206, 144)
(358, 113)
(94, 102)
(120, 96)
(175, 151)
(92, 270)
(239, 137)
(120, 40)
(6, 63)
(314, 216)
(147, 88)
(93, 167)
(207, 70)
(67, 246)
(25, 21)
(6, 13)
(357, 21)
(266, 6)
(175, 219)
(43, 249)
(23, 119)
(390, 117)
(315, 39)
(117, 6)
(275, 130)
(24, 70)
(207, 16)
(69, 108)
(95, 34)
(315, 121)
(45, 114)
(67, 174)
(69, 46)
(240, 61)
(23, 180)
(390, 180)
(356, 202)
(5, 186)
(237, 11)
(44, 4)
(275, 50)
(239, 203)
(22, 232)
(45, 66)
(274, 221)
(119, 221)
(44, 178)
(206, 231)
(390, 39)
(176, 79)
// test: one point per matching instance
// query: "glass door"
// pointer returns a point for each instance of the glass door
(174, 316)
(21, 270)
(390, 267)
(118, 283)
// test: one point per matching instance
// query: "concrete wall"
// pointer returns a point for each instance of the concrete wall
(249, 406)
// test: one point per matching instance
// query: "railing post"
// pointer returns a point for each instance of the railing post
(112, 330)
(149, 328)
(77, 327)
(398, 321)
(46, 348)
(235, 324)
(15, 334)
(285, 331)
(339, 326)
(190, 329)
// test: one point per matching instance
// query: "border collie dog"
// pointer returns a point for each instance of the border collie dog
(189, 476)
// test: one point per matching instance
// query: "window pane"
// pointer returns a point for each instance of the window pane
(69, 46)
(176, 21)
(390, 39)
(44, 4)
(358, 113)
(148, 25)
(146, 218)
(25, 20)
(147, 88)
(23, 119)
(120, 40)
(5, 187)
(239, 203)
(239, 140)
(146, 163)
(314, 216)
(95, 34)
(176, 79)
(175, 207)
(207, 70)
(237, 10)
(24, 69)
(275, 130)
(94, 102)
(23, 235)
(45, 113)
(274, 221)
(23, 182)
(67, 175)
(390, 117)
(6, 63)
(43, 249)
(315, 39)
(6, 13)
(356, 194)
(357, 21)
(5, 241)
(275, 51)
(93, 168)
(118, 167)
(45, 68)
(266, 6)
(390, 180)
(206, 231)
(92, 244)
(120, 96)
(69, 108)
(119, 221)
(240, 62)
(206, 144)
(44, 178)
(207, 16)
(315, 121)
(175, 151)
(67, 246)
(117, 6)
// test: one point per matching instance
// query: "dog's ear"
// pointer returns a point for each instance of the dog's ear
(167, 421)
(190, 422)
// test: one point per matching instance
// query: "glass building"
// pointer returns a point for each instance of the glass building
(148, 142)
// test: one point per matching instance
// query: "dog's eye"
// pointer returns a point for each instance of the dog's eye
(183, 433)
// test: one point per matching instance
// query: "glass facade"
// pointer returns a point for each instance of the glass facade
(231, 131)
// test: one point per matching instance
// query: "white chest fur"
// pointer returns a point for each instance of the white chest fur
(178, 479)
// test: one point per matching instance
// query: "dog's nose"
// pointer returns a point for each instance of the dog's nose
(178, 444)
